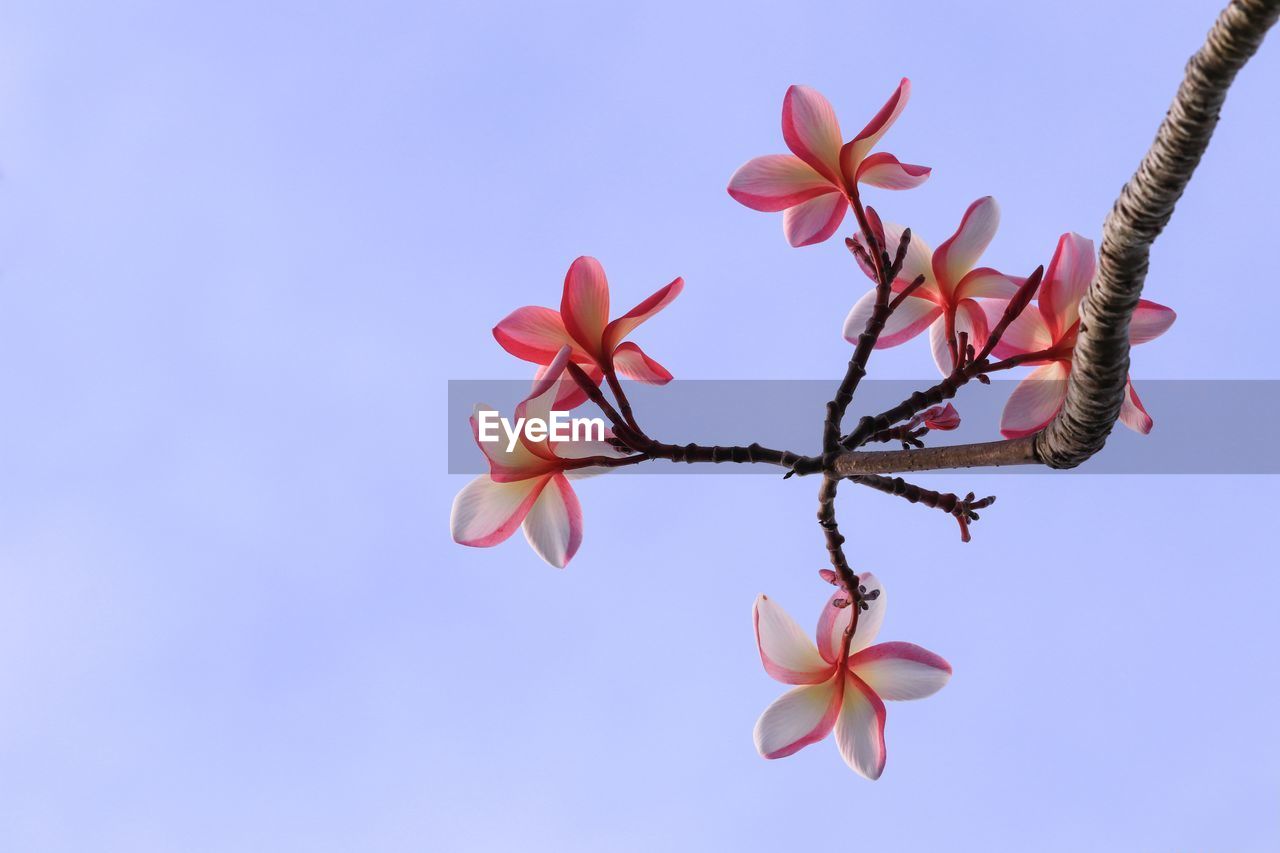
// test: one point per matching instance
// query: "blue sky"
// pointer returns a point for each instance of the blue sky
(242, 250)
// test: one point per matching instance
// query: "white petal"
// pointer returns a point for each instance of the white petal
(869, 620)
(518, 463)
(486, 513)
(834, 621)
(860, 729)
(1035, 401)
(786, 651)
(901, 670)
(814, 220)
(554, 523)
(1027, 333)
(801, 716)
(909, 319)
(959, 254)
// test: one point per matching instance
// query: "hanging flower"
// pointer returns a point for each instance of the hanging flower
(842, 681)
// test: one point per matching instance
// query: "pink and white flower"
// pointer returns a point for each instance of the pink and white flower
(1052, 330)
(946, 304)
(596, 343)
(842, 681)
(529, 485)
(813, 184)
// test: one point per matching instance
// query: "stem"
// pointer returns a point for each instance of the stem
(646, 448)
(634, 440)
(962, 509)
(751, 453)
(835, 540)
(959, 377)
(886, 271)
(623, 403)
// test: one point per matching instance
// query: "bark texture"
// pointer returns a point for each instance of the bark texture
(1101, 363)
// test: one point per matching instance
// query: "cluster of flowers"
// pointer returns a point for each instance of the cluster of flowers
(841, 681)
(807, 185)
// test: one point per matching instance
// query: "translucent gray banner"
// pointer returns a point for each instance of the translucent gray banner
(1201, 426)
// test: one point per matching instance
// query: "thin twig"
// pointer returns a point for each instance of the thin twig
(962, 509)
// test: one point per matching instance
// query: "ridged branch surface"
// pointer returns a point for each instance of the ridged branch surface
(1100, 367)
(1096, 387)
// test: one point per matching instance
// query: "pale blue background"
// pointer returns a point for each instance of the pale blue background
(242, 248)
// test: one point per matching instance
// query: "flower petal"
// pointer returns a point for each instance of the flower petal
(569, 394)
(589, 447)
(546, 385)
(900, 670)
(914, 264)
(811, 130)
(624, 325)
(1065, 282)
(970, 319)
(785, 650)
(869, 620)
(549, 386)
(961, 252)
(533, 333)
(886, 172)
(852, 155)
(554, 523)
(485, 512)
(860, 729)
(1150, 320)
(1035, 401)
(834, 621)
(940, 345)
(1132, 413)
(814, 220)
(775, 182)
(801, 716)
(506, 466)
(1027, 333)
(985, 283)
(587, 444)
(585, 304)
(631, 362)
(909, 319)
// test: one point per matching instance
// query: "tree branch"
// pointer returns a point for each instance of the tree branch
(964, 510)
(1100, 366)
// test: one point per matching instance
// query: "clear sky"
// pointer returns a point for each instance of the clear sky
(243, 247)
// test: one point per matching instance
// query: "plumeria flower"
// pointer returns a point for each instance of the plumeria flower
(843, 681)
(537, 334)
(946, 304)
(813, 183)
(528, 485)
(1052, 330)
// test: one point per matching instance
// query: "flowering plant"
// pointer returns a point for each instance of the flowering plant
(1072, 324)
